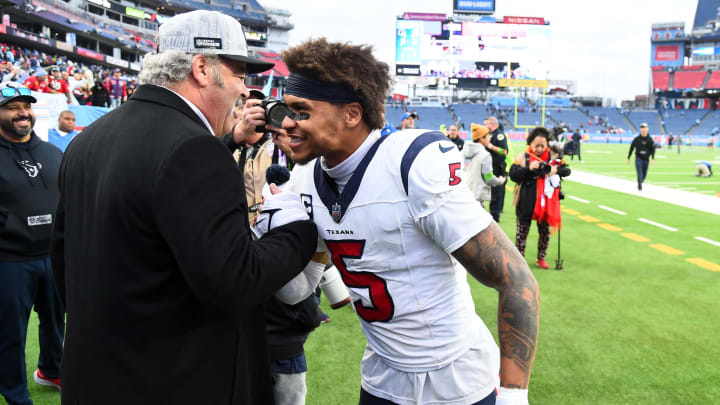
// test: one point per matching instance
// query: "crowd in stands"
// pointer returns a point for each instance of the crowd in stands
(82, 84)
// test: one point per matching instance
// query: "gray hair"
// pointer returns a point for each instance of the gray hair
(170, 67)
(493, 119)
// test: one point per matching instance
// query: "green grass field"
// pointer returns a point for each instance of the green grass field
(628, 321)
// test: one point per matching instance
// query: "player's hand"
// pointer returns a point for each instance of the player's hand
(628, 161)
(278, 209)
(652, 161)
(501, 178)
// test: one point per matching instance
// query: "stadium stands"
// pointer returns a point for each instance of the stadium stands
(708, 125)
(661, 80)
(570, 118)
(714, 80)
(432, 117)
(611, 116)
(689, 79)
(680, 121)
(650, 117)
(469, 113)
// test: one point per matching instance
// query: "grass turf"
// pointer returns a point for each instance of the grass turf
(623, 323)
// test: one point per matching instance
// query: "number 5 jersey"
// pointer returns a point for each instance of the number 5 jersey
(390, 228)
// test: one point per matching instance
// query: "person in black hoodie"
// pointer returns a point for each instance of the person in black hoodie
(644, 155)
(28, 177)
(99, 95)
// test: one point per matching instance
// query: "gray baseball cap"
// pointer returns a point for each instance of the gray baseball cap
(211, 33)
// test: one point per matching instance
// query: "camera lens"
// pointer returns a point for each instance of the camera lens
(277, 112)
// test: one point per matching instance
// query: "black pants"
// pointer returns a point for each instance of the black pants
(641, 167)
(577, 151)
(497, 200)
(23, 285)
(369, 399)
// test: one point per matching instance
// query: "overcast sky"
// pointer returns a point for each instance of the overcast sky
(603, 45)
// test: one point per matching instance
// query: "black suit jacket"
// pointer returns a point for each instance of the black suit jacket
(154, 260)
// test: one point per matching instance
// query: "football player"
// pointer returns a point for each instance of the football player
(398, 221)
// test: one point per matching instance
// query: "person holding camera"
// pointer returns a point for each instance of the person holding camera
(396, 217)
(537, 196)
(152, 250)
(288, 324)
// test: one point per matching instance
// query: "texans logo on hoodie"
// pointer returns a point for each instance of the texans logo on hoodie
(30, 169)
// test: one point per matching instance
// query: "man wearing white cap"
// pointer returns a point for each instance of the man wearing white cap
(153, 254)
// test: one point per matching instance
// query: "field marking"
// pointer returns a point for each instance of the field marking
(705, 264)
(647, 221)
(579, 199)
(710, 241)
(667, 249)
(612, 210)
(570, 211)
(635, 237)
(611, 228)
(588, 218)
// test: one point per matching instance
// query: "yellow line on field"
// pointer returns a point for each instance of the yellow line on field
(635, 237)
(611, 228)
(570, 211)
(588, 218)
(705, 264)
(667, 249)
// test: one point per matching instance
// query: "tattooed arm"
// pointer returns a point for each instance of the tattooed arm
(493, 260)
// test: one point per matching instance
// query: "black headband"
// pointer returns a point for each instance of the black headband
(301, 86)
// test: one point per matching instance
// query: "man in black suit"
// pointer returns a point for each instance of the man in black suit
(152, 250)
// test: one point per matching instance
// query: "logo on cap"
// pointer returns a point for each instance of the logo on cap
(208, 43)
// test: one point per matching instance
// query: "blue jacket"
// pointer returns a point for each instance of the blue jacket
(56, 138)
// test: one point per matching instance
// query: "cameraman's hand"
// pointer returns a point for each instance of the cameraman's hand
(535, 164)
(252, 116)
(281, 139)
(280, 208)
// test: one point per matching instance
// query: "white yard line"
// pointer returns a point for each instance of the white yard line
(706, 240)
(579, 199)
(612, 210)
(695, 200)
(659, 225)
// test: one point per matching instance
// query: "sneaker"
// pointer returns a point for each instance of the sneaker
(542, 264)
(325, 319)
(42, 379)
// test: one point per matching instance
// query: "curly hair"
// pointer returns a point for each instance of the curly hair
(353, 66)
(538, 131)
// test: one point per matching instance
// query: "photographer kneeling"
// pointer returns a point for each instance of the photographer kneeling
(537, 193)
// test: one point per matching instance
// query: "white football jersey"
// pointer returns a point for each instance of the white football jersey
(390, 234)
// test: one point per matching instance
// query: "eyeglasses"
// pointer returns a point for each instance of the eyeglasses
(8, 92)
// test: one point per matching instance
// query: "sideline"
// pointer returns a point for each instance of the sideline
(700, 202)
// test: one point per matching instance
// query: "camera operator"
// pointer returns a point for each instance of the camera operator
(537, 174)
(288, 322)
